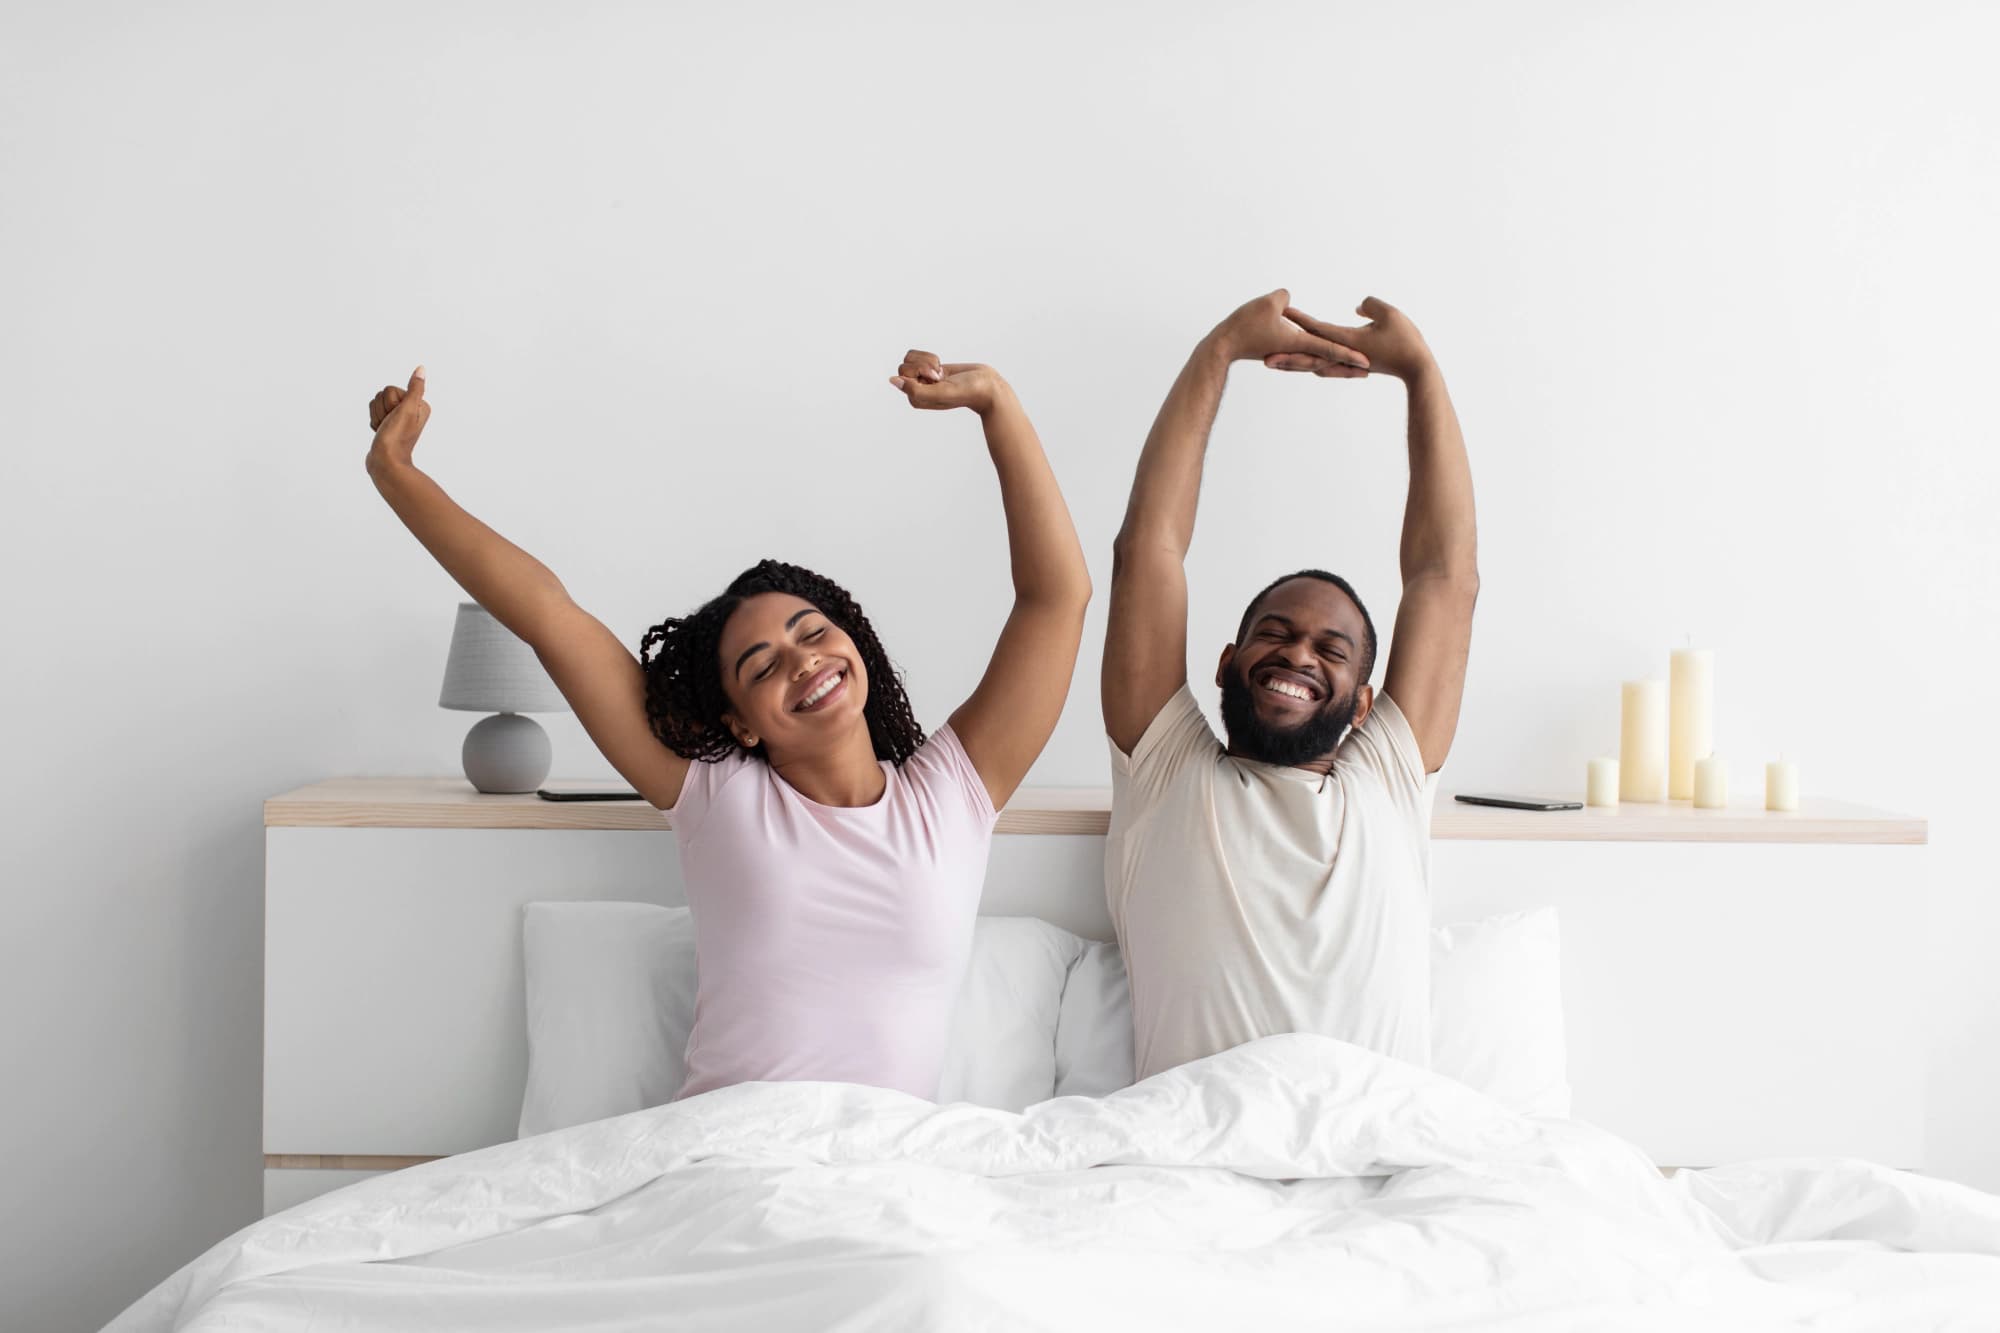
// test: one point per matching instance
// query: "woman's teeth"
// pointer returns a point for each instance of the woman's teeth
(821, 691)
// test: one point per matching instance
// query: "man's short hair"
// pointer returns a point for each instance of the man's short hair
(1367, 621)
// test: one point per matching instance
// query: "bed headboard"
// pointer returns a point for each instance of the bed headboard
(394, 1026)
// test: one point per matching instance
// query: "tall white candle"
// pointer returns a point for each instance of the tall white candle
(1711, 783)
(1781, 785)
(1602, 788)
(1642, 742)
(1691, 720)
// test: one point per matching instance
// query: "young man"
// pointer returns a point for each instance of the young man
(1278, 882)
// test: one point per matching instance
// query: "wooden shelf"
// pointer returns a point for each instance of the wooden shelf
(1818, 821)
(452, 803)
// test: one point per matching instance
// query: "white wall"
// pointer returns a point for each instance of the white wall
(1714, 286)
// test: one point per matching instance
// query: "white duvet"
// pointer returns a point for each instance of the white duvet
(1296, 1182)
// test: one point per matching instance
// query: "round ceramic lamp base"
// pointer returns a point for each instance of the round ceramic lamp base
(506, 753)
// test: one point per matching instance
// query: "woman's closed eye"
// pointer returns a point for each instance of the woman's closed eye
(772, 665)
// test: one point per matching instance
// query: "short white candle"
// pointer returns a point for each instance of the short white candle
(1642, 742)
(1781, 785)
(1691, 717)
(1602, 789)
(1711, 783)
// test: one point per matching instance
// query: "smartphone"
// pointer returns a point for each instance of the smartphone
(548, 795)
(1522, 802)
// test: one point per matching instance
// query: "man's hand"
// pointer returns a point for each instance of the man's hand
(1267, 327)
(397, 417)
(1389, 340)
(936, 385)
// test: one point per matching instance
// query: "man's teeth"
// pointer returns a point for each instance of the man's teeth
(821, 692)
(1286, 687)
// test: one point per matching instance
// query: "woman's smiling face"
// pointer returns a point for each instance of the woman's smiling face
(794, 679)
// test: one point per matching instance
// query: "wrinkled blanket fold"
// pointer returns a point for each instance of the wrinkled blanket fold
(1296, 1181)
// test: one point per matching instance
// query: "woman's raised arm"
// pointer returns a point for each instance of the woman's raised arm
(597, 674)
(1009, 717)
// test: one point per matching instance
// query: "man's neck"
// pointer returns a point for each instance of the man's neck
(1322, 765)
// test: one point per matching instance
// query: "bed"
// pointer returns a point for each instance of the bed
(1295, 1182)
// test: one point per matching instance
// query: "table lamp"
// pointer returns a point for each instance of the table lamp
(490, 670)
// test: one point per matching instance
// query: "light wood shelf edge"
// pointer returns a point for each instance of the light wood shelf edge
(451, 803)
(320, 1161)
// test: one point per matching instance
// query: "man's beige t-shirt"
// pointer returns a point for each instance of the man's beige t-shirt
(1253, 899)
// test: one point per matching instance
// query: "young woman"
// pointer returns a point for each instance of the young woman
(833, 855)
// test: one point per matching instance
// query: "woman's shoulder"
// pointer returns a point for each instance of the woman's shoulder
(704, 782)
(941, 763)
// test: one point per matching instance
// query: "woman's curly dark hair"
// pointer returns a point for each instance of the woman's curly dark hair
(682, 659)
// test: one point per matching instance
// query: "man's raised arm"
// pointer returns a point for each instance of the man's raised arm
(1145, 647)
(1426, 674)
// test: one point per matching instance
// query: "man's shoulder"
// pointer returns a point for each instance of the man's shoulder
(1177, 735)
(1383, 749)
(1181, 783)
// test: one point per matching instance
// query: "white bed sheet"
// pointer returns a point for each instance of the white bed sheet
(1296, 1182)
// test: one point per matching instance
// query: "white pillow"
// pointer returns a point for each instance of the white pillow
(611, 986)
(1496, 1014)
(1094, 1030)
(610, 995)
(1002, 1048)
(610, 991)
(1496, 1009)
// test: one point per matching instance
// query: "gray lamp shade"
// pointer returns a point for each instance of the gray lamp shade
(490, 670)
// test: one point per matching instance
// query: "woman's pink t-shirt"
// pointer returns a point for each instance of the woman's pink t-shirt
(830, 942)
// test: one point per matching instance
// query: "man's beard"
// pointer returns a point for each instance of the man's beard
(1252, 738)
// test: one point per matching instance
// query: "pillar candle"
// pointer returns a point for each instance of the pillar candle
(1711, 783)
(1602, 788)
(1642, 742)
(1781, 785)
(1691, 723)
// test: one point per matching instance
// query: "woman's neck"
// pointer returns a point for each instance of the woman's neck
(848, 775)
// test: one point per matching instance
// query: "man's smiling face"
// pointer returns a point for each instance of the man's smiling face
(1297, 677)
